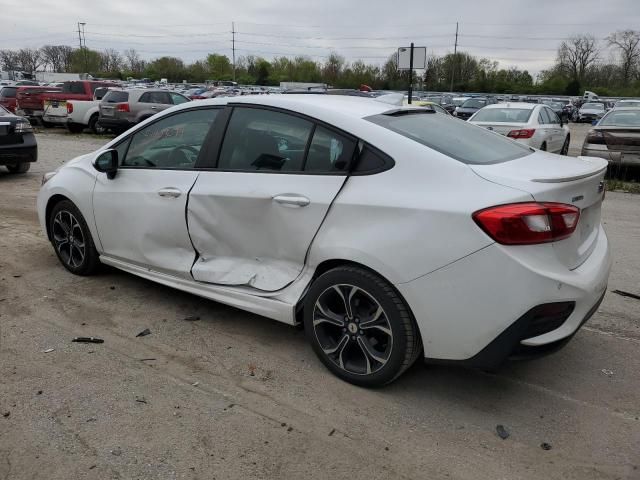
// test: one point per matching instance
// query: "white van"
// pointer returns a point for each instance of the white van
(589, 96)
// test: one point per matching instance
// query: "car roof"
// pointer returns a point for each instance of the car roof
(318, 106)
(519, 105)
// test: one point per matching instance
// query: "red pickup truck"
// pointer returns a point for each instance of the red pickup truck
(55, 104)
(30, 101)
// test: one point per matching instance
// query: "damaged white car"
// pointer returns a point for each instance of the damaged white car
(389, 232)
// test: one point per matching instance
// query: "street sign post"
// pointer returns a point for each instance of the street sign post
(410, 58)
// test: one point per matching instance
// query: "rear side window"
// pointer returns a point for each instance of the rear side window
(461, 141)
(8, 92)
(258, 139)
(73, 87)
(115, 96)
(329, 152)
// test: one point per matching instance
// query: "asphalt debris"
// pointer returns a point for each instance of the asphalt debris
(144, 333)
(622, 293)
(192, 318)
(87, 340)
(503, 433)
(545, 446)
(6, 414)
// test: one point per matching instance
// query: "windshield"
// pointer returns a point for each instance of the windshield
(621, 118)
(461, 141)
(459, 101)
(518, 115)
(474, 103)
(593, 106)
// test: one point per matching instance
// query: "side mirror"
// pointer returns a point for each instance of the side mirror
(107, 162)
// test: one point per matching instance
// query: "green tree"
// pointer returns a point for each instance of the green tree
(220, 67)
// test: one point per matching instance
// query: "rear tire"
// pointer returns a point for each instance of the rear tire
(94, 126)
(359, 327)
(543, 147)
(71, 239)
(19, 168)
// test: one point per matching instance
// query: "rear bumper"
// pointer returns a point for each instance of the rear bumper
(20, 153)
(613, 157)
(483, 303)
(57, 119)
(29, 113)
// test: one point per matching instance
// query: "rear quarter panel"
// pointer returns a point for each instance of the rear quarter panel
(410, 220)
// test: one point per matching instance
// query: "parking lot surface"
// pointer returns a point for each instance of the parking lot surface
(234, 395)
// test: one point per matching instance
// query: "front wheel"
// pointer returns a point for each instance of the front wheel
(359, 327)
(543, 147)
(19, 168)
(72, 239)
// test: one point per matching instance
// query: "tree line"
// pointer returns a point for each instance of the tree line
(581, 62)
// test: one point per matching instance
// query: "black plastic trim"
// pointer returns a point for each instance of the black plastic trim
(507, 345)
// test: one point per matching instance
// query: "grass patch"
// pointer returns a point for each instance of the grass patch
(614, 185)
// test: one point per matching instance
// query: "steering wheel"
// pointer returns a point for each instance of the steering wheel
(175, 160)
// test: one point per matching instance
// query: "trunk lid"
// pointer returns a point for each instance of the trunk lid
(553, 178)
(621, 139)
(500, 127)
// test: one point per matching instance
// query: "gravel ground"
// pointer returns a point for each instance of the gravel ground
(237, 396)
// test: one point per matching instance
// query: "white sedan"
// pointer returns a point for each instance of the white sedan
(390, 233)
(535, 125)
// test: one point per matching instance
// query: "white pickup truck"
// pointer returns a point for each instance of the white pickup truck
(83, 114)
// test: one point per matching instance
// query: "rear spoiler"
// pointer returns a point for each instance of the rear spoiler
(594, 165)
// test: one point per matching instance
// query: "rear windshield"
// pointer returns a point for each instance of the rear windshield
(116, 96)
(462, 141)
(518, 115)
(621, 118)
(593, 106)
(474, 103)
(630, 103)
(73, 87)
(8, 92)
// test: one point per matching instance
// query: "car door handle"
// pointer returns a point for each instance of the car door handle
(169, 192)
(294, 200)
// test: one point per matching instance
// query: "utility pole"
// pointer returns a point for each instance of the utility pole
(81, 40)
(410, 75)
(233, 48)
(455, 58)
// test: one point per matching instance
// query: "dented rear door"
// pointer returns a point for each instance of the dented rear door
(252, 219)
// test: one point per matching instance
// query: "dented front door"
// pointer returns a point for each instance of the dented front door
(254, 229)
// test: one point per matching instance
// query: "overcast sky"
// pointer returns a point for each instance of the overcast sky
(521, 33)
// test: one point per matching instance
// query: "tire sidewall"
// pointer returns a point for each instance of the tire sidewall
(88, 263)
(367, 282)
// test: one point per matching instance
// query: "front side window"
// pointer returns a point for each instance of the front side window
(172, 142)
(459, 140)
(258, 139)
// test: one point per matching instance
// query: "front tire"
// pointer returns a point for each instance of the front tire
(359, 327)
(543, 147)
(71, 239)
(19, 168)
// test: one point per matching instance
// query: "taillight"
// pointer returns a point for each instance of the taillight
(122, 107)
(595, 137)
(69, 107)
(528, 223)
(524, 133)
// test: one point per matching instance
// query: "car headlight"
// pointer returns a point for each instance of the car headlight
(47, 176)
(23, 127)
